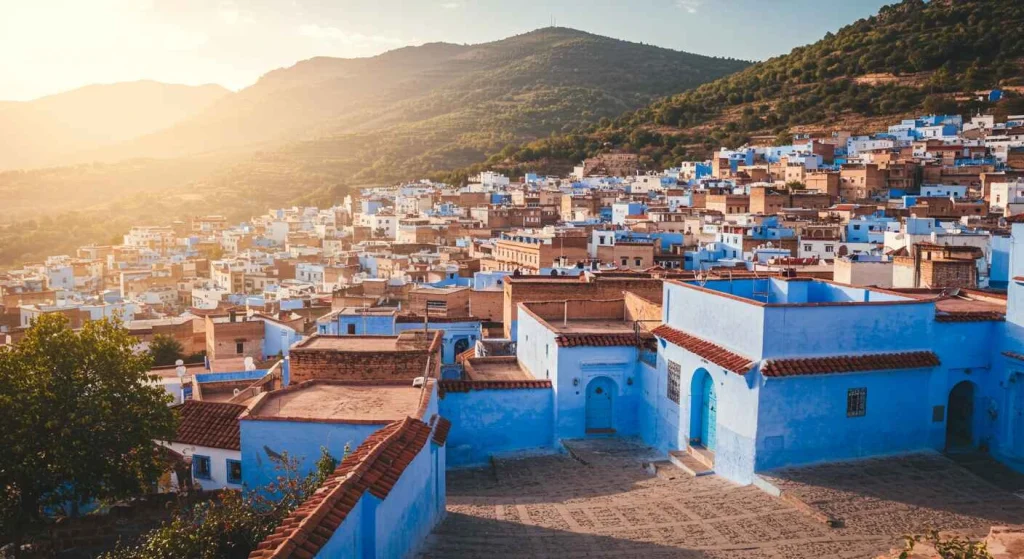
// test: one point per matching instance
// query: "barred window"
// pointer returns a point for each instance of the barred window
(673, 381)
(856, 402)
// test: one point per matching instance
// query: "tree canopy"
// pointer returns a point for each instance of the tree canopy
(80, 420)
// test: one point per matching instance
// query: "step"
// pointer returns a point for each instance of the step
(689, 464)
(702, 455)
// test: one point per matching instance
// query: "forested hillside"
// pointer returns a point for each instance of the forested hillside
(912, 57)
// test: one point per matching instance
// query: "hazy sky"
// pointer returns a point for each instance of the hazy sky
(48, 46)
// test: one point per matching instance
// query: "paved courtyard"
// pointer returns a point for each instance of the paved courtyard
(600, 502)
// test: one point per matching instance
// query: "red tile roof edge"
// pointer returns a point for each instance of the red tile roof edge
(375, 466)
(445, 386)
(712, 352)
(970, 316)
(1014, 355)
(209, 424)
(775, 368)
(441, 428)
(596, 340)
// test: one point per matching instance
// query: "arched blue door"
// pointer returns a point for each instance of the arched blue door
(600, 393)
(708, 414)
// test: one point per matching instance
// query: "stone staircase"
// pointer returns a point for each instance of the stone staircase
(694, 461)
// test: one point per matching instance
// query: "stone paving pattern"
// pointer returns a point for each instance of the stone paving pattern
(604, 504)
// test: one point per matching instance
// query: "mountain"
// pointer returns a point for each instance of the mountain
(50, 129)
(433, 106)
(912, 57)
(307, 133)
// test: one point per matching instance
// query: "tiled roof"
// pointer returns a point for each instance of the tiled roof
(599, 340)
(441, 430)
(1014, 355)
(375, 467)
(849, 363)
(970, 316)
(713, 353)
(212, 424)
(467, 385)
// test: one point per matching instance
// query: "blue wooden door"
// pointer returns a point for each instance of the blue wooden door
(599, 404)
(708, 414)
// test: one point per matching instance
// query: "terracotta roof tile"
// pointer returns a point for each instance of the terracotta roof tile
(598, 340)
(468, 385)
(375, 466)
(212, 424)
(1014, 355)
(970, 316)
(441, 430)
(714, 353)
(849, 363)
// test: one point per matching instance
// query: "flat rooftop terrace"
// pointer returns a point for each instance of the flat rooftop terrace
(322, 400)
(591, 326)
(406, 341)
(796, 291)
(495, 368)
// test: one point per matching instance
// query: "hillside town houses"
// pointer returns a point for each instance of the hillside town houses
(764, 309)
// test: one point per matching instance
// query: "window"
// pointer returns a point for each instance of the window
(638, 261)
(673, 381)
(200, 466)
(856, 402)
(856, 227)
(239, 347)
(828, 248)
(808, 248)
(351, 328)
(625, 260)
(234, 471)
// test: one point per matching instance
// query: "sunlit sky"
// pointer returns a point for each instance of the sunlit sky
(49, 46)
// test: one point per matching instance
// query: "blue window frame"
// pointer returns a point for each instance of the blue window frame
(201, 467)
(234, 471)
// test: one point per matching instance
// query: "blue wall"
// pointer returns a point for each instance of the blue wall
(397, 525)
(301, 440)
(497, 422)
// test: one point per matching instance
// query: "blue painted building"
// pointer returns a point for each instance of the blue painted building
(300, 420)
(458, 334)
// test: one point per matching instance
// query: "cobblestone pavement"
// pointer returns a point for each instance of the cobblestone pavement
(903, 494)
(606, 505)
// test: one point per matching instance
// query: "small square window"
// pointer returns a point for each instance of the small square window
(234, 471)
(856, 402)
(674, 373)
(239, 347)
(201, 467)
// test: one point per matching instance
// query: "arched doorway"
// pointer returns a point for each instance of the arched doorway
(461, 345)
(703, 410)
(600, 399)
(960, 416)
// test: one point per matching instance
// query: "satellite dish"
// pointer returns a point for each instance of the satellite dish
(249, 365)
(235, 392)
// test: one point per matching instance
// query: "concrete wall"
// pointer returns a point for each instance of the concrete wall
(497, 422)
(301, 440)
(413, 507)
(803, 419)
(735, 325)
(736, 415)
(846, 329)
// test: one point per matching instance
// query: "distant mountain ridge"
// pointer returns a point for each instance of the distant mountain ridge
(51, 129)
(310, 132)
(475, 96)
(912, 57)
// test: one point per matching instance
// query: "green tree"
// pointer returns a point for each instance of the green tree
(80, 418)
(165, 350)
